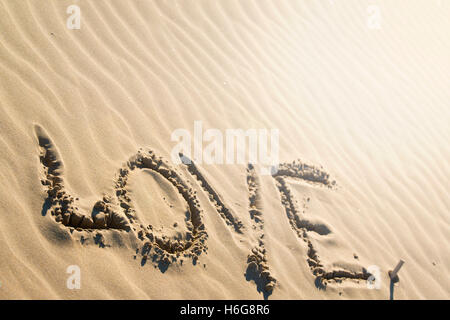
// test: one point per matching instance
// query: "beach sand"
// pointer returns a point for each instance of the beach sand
(357, 89)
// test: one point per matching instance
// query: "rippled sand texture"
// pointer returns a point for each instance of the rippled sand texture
(86, 118)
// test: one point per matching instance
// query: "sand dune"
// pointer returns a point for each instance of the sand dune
(358, 93)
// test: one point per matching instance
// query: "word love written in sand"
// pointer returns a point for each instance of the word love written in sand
(114, 216)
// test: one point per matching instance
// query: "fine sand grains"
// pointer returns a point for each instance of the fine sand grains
(87, 118)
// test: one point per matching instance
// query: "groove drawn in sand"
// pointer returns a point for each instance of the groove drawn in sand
(214, 197)
(257, 266)
(117, 213)
(62, 205)
(301, 226)
(156, 246)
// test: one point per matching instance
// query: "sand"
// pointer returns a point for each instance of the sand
(86, 117)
